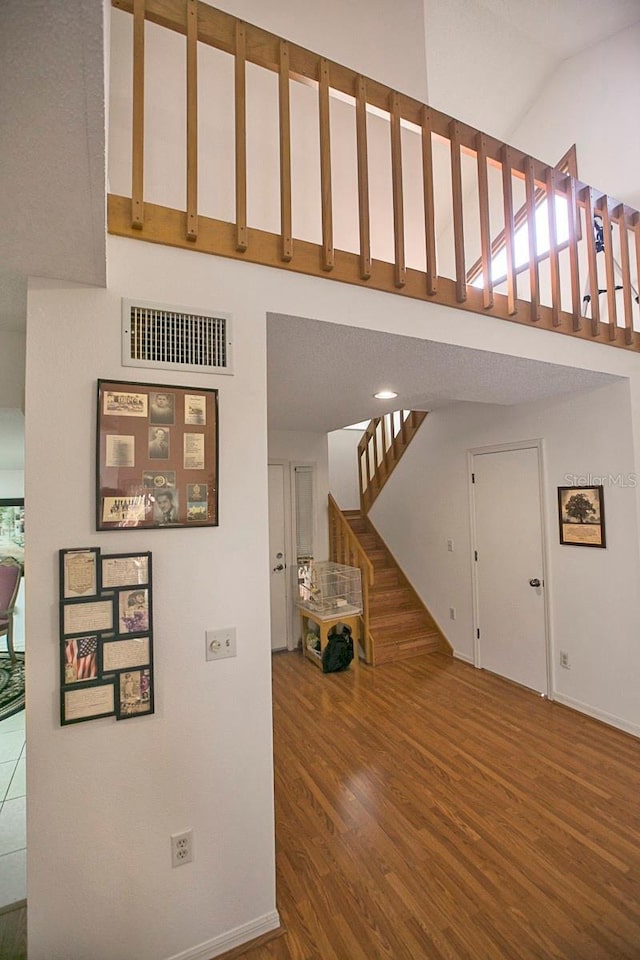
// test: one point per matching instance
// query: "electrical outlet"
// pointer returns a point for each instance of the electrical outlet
(564, 660)
(452, 613)
(450, 546)
(181, 848)
(220, 643)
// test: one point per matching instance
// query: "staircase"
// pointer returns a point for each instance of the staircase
(381, 448)
(400, 626)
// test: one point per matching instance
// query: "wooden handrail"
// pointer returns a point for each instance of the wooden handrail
(380, 448)
(190, 229)
(344, 547)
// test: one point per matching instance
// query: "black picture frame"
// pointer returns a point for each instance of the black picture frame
(76, 702)
(148, 460)
(135, 693)
(106, 636)
(79, 573)
(581, 516)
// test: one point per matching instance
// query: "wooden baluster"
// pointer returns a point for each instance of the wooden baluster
(192, 120)
(534, 278)
(365, 616)
(429, 205)
(367, 490)
(286, 233)
(458, 219)
(625, 269)
(553, 247)
(363, 177)
(603, 209)
(509, 229)
(572, 207)
(325, 168)
(587, 197)
(241, 135)
(361, 468)
(404, 429)
(400, 277)
(485, 227)
(137, 171)
(376, 451)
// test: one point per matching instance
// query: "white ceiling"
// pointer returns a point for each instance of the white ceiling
(322, 376)
(488, 60)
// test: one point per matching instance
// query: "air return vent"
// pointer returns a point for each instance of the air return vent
(172, 338)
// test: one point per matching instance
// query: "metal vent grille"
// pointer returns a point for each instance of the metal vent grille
(170, 338)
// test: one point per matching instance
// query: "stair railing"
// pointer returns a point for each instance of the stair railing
(579, 285)
(345, 548)
(380, 449)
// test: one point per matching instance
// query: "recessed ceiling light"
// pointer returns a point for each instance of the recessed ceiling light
(385, 395)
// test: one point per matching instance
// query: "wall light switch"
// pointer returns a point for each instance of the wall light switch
(450, 546)
(220, 643)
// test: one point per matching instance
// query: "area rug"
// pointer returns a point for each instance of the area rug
(11, 686)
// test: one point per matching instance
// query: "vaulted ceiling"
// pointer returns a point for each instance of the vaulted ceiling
(486, 62)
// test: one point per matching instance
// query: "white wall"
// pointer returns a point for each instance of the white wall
(343, 468)
(590, 100)
(104, 797)
(12, 359)
(381, 40)
(11, 484)
(595, 613)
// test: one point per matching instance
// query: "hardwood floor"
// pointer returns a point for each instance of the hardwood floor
(430, 811)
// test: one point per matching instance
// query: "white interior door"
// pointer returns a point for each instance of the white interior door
(510, 603)
(278, 556)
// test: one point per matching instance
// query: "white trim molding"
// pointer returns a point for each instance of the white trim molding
(465, 657)
(608, 718)
(231, 939)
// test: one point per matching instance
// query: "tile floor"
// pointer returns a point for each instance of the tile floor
(13, 826)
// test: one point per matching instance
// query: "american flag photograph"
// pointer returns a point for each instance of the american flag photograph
(81, 661)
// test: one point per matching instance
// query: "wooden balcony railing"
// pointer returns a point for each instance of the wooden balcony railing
(380, 449)
(443, 190)
(345, 548)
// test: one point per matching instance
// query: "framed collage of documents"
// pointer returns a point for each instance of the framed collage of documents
(157, 456)
(106, 635)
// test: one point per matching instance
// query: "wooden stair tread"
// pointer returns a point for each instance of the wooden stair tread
(405, 617)
(399, 624)
(391, 652)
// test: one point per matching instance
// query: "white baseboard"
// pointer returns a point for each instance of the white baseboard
(233, 938)
(613, 721)
(463, 656)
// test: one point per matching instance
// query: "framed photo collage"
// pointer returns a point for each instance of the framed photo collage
(106, 635)
(157, 456)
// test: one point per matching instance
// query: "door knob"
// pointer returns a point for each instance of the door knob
(535, 582)
(279, 567)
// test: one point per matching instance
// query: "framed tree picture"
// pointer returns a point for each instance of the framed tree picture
(156, 456)
(581, 516)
